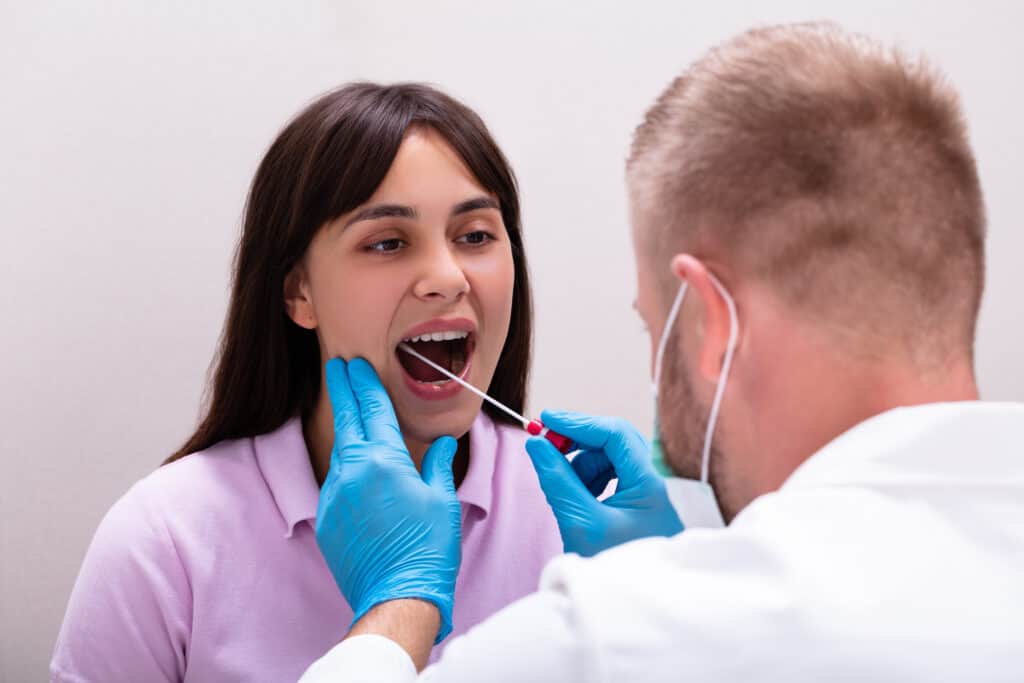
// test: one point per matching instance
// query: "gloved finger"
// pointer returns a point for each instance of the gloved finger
(564, 491)
(594, 470)
(437, 464)
(348, 426)
(627, 450)
(592, 431)
(378, 415)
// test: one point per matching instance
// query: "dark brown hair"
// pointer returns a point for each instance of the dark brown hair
(327, 161)
(835, 169)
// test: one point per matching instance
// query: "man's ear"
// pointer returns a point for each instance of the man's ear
(298, 299)
(714, 322)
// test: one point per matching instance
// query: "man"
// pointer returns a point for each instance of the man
(817, 196)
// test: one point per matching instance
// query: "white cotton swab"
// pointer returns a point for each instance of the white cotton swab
(497, 404)
(534, 427)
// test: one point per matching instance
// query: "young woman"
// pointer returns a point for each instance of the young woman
(380, 214)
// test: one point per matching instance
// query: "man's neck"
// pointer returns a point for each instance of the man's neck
(818, 404)
(872, 393)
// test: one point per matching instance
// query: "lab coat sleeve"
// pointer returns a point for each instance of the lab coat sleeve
(367, 659)
(530, 640)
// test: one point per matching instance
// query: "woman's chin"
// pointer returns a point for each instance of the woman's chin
(426, 429)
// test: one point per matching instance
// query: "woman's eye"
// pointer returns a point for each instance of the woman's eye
(386, 246)
(476, 237)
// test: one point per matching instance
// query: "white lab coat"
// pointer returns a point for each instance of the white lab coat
(896, 553)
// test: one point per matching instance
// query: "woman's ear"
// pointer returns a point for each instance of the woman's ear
(715, 321)
(298, 299)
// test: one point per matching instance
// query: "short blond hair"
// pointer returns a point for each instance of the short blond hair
(835, 169)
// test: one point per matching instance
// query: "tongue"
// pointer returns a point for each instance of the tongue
(420, 371)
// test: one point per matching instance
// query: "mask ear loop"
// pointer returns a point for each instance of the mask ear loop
(673, 313)
(716, 404)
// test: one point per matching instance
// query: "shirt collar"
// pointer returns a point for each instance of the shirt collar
(283, 459)
(922, 445)
(477, 488)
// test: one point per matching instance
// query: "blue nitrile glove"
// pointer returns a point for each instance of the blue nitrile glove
(611, 448)
(385, 531)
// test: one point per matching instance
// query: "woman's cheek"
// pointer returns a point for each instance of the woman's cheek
(495, 275)
(350, 331)
(504, 289)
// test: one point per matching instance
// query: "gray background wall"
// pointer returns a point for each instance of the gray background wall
(131, 129)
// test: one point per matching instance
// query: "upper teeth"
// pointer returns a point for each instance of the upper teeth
(438, 336)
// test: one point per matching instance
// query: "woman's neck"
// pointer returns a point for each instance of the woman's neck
(318, 430)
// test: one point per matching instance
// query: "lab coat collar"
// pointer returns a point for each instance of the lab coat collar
(969, 442)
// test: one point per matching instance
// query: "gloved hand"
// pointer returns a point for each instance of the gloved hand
(611, 448)
(385, 531)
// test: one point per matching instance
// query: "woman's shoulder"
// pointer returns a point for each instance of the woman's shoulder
(209, 477)
(206, 493)
(133, 593)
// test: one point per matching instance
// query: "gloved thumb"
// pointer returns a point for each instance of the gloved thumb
(437, 464)
(563, 489)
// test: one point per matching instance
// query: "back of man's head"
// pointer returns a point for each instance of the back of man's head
(834, 171)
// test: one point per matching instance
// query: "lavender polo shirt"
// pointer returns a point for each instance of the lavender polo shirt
(208, 569)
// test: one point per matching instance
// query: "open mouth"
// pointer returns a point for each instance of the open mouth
(450, 349)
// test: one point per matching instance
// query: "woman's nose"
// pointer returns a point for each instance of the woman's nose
(442, 277)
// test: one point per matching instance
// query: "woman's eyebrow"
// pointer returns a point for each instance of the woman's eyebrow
(382, 211)
(400, 211)
(475, 204)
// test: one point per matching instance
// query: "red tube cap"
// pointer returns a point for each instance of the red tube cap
(562, 443)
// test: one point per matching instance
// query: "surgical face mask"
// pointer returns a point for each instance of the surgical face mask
(693, 499)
